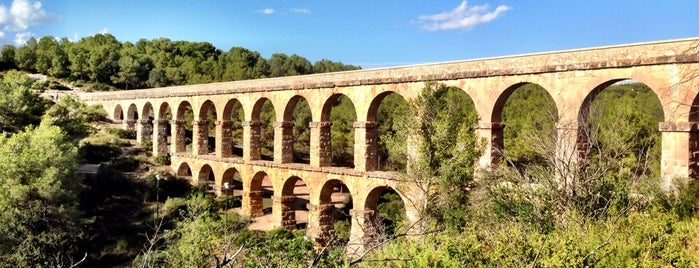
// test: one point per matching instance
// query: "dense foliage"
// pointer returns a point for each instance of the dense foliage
(441, 127)
(38, 207)
(105, 62)
(613, 215)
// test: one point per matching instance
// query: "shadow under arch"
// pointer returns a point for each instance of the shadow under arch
(235, 183)
(694, 139)
(132, 112)
(334, 212)
(184, 171)
(118, 115)
(131, 120)
(295, 198)
(261, 189)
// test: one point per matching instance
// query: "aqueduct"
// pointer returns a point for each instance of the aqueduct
(572, 78)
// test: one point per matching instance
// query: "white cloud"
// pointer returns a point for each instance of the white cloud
(104, 31)
(22, 38)
(301, 10)
(19, 16)
(267, 11)
(462, 17)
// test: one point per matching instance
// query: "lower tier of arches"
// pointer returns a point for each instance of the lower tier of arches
(292, 187)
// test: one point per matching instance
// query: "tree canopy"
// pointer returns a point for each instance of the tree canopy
(104, 60)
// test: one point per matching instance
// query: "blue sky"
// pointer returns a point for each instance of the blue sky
(366, 33)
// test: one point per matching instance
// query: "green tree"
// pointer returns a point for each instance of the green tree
(7, 57)
(74, 117)
(392, 108)
(342, 117)
(528, 111)
(242, 64)
(132, 67)
(327, 66)
(277, 65)
(25, 56)
(51, 58)
(441, 127)
(19, 106)
(103, 57)
(38, 209)
(78, 55)
(302, 132)
(297, 65)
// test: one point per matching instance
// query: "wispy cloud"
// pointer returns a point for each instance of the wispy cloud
(462, 17)
(22, 38)
(301, 11)
(266, 11)
(20, 15)
(271, 11)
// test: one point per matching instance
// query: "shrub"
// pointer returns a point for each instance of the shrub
(94, 154)
(147, 145)
(125, 164)
(123, 133)
(163, 159)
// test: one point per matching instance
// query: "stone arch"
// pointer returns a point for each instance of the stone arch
(296, 131)
(205, 124)
(342, 154)
(261, 187)
(132, 112)
(586, 130)
(330, 102)
(162, 134)
(144, 130)
(289, 109)
(295, 197)
(592, 95)
(694, 139)
(335, 204)
(232, 119)
(234, 180)
(184, 171)
(164, 112)
(372, 219)
(147, 113)
(502, 137)
(372, 198)
(262, 130)
(376, 103)
(118, 115)
(206, 177)
(384, 126)
(183, 129)
(496, 115)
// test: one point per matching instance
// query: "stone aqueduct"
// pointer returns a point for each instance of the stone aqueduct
(572, 78)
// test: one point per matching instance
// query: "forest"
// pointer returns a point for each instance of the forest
(517, 214)
(101, 62)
